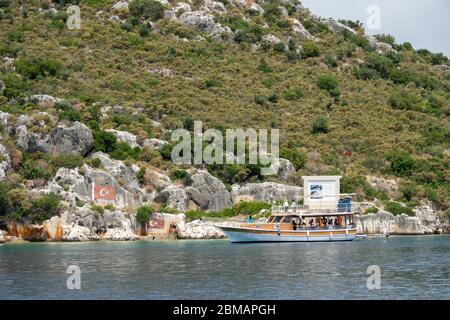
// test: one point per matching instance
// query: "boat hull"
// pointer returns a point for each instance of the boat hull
(236, 234)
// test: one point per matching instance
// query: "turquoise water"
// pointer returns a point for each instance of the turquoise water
(412, 267)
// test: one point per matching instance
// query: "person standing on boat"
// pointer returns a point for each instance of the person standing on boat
(286, 206)
(293, 205)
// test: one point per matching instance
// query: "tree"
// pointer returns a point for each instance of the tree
(320, 125)
(148, 9)
(143, 214)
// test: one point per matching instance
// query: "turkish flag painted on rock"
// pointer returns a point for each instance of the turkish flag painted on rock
(156, 223)
(104, 192)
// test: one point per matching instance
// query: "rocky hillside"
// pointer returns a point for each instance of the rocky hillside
(98, 104)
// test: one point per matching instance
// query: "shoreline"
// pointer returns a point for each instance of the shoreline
(369, 237)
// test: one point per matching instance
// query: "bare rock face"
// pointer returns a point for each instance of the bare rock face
(197, 229)
(125, 137)
(205, 22)
(337, 26)
(300, 30)
(426, 221)
(44, 100)
(155, 144)
(75, 233)
(210, 193)
(285, 170)
(441, 67)
(116, 234)
(213, 6)
(31, 141)
(381, 47)
(256, 8)
(266, 191)
(5, 162)
(174, 197)
(76, 139)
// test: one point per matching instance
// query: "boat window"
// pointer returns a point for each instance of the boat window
(277, 219)
(270, 219)
(287, 219)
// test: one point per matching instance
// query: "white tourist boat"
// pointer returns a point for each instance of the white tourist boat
(324, 216)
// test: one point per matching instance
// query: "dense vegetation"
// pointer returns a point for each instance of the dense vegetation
(390, 111)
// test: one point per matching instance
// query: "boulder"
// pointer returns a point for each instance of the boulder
(181, 6)
(213, 6)
(337, 26)
(300, 30)
(164, 72)
(72, 181)
(31, 141)
(256, 8)
(197, 229)
(125, 137)
(271, 39)
(210, 193)
(120, 7)
(155, 144)
(204, 22)
(5, 162)
(285, 170)
(76, 139)
(441, 67)
(239, 3)
(75, 233)
(265, 191)
(173, 196)
(122, 234)
(44, 100)
(381, 47)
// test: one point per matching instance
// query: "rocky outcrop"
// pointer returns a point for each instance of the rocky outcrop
(44, 100)
(441, 67)
(285, 170)
(75, 140)
(116, 234)
(75, 233)
(125, 137)
(213, 6)
(426, 221)
(155, 144)
(266, 191)
(197, 229)
(257, 9)
(173, 196)
(300, 30)
(5, 162)
(380, 47)
(337, 26)
(205, 22)
(208, 192)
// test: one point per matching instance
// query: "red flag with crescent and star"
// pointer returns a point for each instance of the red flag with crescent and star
(104, 192)
(156, 223)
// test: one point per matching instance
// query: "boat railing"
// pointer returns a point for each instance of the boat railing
(341, 208)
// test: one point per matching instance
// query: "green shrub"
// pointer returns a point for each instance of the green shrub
(15, 86)
(399, 76)
(66, 111)
(30, 171)
(365, 73)
(36, 67)
(293, 94)
(279, 47)
(402, 164)
(143, 214)
(148, 9)
(396, 208)
(166, 151)
(297, 158)
(104, 141)
(320, 125)
(310, 50)
(386, 38)
(329, 83)
(44, 208)
(5, 3)
(123, 151)
(380, 64)
(371, 210)
(404, 100)
(98, 209)
(66, 161)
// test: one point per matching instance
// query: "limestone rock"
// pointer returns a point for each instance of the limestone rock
(75, 232)
(197, 229)
(44, 100)
(337, 26)
(212, 194)
(300, 30)
(271, 39)
(213, 6)
(125, 137)
(380, 46)
(205, 22)
(155, 144)
(76, 139)
(266, 191)
(256, 8)
(173, 196)
(285, 169)
(2, 238)
(5, 162)
(441, 67)
(116, 234)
